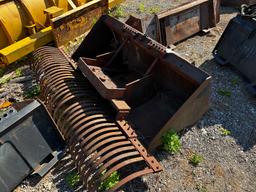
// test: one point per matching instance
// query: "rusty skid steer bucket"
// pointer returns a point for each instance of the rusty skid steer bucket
(26, 25)
(176, 24)
(133, 91)
(236, 47)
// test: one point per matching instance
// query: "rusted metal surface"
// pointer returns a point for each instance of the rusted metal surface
(177, 24)
(236, 47)
(99, 145)
(162, 90)
(76, 22)
(237, 3)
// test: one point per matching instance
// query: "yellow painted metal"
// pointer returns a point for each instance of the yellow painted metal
(35, 10)
(113, 3)
(21, 18)
(12, 21)
(25, 46)
(53, 12)
(80, 2)
(63, 4)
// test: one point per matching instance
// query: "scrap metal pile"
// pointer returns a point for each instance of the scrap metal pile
(114, 98)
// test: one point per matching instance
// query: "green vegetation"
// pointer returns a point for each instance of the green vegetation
(117, 12)
(72, 179)
(18, 72)
(195, 159)
(154, 10)
(5, 80)
(235, 81)
(110, 182)
(224, 131)
(201, 188)
(171, 142)
(224, 92)
(33, 92)
(142, 8)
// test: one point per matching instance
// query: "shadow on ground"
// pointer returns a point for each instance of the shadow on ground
(62, 171)
(235, 112)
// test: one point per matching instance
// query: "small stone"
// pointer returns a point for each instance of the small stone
(204, 132)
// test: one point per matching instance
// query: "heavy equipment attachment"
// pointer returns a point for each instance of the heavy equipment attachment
(29, 142)
(236, 47)
(99, 145)
(176, 24)
(26, 25)
(133, 91)
(161, 89)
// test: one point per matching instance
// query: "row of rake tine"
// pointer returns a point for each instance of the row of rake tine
(98, 146)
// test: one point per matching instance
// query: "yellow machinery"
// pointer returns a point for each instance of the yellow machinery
(26, 25)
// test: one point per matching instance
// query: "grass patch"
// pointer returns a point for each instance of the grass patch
(142, 8)
(235, 81)
(225, 132)
(18, 72)
(196, 159)
(224, 92)
(5, 80)
(171, 142)
(72, 179)
(110, 182)
(201, 188)
(154, 10)
(33, 92)
(117, 12)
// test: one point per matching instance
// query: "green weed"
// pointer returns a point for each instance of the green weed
(196, 159)
(117, 12)
(110, 182)
(224, 131)
(224, 92)
(201, 188)
(235, 81)
(33, 92)
(142, 8)
(154, 10)
(171, 142)
(72, 179)
(18, 72)
(5, 80)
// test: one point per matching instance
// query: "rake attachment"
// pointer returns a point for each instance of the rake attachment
(99, 145)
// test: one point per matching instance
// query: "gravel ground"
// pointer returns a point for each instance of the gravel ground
(229, 161)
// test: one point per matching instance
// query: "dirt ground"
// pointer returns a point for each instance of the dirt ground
(229, 162)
